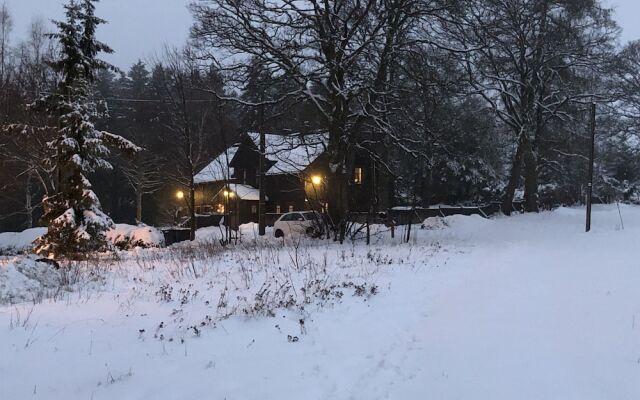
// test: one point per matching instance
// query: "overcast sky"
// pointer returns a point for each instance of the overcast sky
(138, 29)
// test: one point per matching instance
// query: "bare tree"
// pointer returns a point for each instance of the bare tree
(145, 177)
(22, 150)
(186, 117)
(6, 26)
(338, 55)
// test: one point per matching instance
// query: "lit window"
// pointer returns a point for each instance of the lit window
(291, 208)
(254, 209)
(278, 210)
(357, 176)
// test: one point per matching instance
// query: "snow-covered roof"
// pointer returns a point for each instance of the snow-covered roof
(291, 153)
(218, 169)
(244, 192)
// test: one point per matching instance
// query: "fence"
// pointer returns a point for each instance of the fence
(404, 216)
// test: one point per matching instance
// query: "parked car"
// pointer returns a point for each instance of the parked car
(308, 223)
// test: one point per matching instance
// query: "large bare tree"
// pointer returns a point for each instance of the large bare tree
(337, 54)
(186, 114)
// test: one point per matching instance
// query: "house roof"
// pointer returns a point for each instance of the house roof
(218, 169)
(291, 153)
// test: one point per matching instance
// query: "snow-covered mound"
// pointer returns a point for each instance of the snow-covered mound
(215, 233)
(25, 279)
(123, 236)
(126, 237)
(19, 242)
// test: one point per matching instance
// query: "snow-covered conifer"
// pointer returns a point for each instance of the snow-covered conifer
(75, 220)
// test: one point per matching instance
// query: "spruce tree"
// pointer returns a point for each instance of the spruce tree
(76, 223)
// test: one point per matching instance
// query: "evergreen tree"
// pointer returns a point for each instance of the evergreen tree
(75, 220)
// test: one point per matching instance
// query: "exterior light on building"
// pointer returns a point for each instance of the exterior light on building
(180, 195)
(226, 193)
(232, 195)
(316, 180)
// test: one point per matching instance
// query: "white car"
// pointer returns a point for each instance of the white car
(298, 223)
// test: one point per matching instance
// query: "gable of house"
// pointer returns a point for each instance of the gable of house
(291, 154)
(220, 169)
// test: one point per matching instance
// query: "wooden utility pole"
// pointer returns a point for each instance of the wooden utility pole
(591, 161)
(261, 203)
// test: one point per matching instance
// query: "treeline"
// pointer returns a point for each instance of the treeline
(455, 101)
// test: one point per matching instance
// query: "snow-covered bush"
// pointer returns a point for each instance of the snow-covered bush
(127, 237)
(122, 236)
(434, 223)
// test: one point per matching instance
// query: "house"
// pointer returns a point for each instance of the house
(296, 168)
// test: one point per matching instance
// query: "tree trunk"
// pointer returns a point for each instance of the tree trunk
(192, 211)
(512, 185)
(138, 206)
(339, 201)
(384, 187)
(530, 180)
(340, 166)
(28, 208)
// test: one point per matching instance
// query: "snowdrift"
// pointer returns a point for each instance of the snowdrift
(25, 279)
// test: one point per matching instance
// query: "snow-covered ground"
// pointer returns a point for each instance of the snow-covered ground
(526, 307)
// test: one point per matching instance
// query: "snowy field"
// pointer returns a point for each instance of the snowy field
(526, 307)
